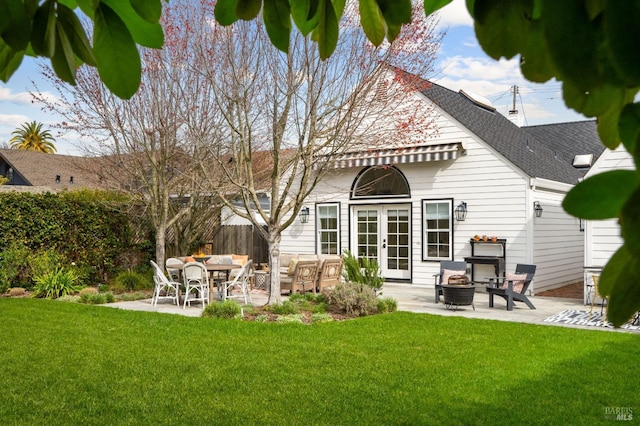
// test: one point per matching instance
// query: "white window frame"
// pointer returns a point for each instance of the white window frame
(320, 245)
(448, 208)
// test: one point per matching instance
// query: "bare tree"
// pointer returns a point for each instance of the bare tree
(286, 118)
(151, 145)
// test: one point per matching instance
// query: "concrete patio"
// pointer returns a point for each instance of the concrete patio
(420, 299)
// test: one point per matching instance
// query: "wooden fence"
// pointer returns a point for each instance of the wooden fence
(239, 239)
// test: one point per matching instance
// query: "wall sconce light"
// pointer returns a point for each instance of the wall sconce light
(461, 212)
(537, 208)
(304, 215)
(57, 178)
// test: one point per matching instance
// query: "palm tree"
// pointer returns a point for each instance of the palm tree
(31, 137)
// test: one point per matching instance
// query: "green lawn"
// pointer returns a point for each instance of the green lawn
(63, 363)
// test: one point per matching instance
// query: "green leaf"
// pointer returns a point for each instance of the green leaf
(608, 123)
(143, 32)
(502, 26)
(225, 12)
(629, 126)
(248, 9)
(622, 31)
(395, 13)
(624, 300)
(16, 30)
(610, 272)
(63, 61)
(372, 21)
(630, 223)
(276, 16)
(594, 102)
(10, 60)
(149, 10)
(431, 6)
(601, 196)
(536, 64)
(87, 7)
(305, 15)
(326, 33)
(575, 57)
(115, 50)
(77, 37)
(43, 35)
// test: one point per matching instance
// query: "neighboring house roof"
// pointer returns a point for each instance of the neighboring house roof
(42, 170)
(520, 147)
(570, 139)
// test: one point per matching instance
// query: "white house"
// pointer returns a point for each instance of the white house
(602, 237)
(398, 205)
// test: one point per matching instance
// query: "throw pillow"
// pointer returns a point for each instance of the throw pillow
(518, 281)
(240, 259)
(292, 266)
(447, 273)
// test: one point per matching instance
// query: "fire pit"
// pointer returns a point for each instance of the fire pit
(458, 295)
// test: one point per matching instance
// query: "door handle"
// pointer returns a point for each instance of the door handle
(384, 243)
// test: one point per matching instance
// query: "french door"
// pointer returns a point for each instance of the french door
(383, 233)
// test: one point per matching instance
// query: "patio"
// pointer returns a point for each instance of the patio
(419, 299)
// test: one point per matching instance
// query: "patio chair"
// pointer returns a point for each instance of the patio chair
(164, 288)
(196, 282)
(173, 266)
(302, 278)
(514, 287)
(448, 268)
(241, 280)
(593, 293)
(330, 273)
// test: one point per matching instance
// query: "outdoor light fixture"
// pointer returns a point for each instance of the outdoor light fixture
(461, 212)
(304, 215)
(537, 208)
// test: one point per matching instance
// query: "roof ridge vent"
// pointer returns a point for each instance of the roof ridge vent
(478, 100)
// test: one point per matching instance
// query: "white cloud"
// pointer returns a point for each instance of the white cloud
(12, 120)
(19, 98)
(455, 14)
(485, 68)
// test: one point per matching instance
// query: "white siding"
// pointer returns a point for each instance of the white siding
(558, 244)
(602, 238)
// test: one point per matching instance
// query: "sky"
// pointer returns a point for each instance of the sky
(461, 64)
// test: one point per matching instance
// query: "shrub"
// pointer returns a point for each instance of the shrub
(14, 267)
(321, 317)
(362, 270)
(387, 304)
(285, 308)
(55, 283)
(17, 292)
(290, 318)
(88, 290)
(131, 281)
(353, 299)
(72, 298)
(227, 309)
(96, 298)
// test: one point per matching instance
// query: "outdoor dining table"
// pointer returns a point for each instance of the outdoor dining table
(211, 268)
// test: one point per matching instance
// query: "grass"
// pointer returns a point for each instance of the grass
(65, 363)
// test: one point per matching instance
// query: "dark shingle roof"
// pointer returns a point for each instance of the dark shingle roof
(520, 147)
(40, 169)
(570, 139)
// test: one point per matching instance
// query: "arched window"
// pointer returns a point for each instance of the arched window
(380, 182)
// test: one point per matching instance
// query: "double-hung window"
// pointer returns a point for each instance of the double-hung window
(328, 228)
(437, 229)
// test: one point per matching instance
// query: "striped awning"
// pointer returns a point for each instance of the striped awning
(403, 155)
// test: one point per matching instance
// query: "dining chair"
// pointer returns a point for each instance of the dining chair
(241, 281)
(173, 265)
(196, 282)
(164, 288)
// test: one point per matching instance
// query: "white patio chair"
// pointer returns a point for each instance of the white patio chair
(163, 286)
(196, 282)
(240, 281)
(173, 266)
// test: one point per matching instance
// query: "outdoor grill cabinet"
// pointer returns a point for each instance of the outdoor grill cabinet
(498, 261)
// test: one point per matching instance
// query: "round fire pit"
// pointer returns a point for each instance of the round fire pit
(458, 295)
